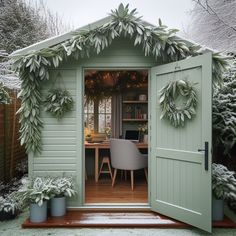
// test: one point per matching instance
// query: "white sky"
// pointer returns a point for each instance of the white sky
(173, 13)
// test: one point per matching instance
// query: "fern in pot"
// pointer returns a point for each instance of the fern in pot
(223, 189)
(62, 187)
(36, 193)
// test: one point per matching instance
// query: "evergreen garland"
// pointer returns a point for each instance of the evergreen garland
(159, 42)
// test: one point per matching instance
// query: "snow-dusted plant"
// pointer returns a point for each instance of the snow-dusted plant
(35, 191)
(4, 96)
(223, 183)
(224, 112)
(8, 78)
(63, 186)
(9, 204)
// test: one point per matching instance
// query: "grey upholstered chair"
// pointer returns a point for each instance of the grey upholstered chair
(126, 156)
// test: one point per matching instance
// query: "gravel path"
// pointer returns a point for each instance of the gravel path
(13, 228)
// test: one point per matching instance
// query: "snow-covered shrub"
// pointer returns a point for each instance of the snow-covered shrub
(223, 183)
(224, 112)
(9, 204)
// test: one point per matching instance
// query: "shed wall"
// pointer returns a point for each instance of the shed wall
(62, 141)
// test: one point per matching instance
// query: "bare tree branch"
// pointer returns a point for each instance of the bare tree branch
(211, 11)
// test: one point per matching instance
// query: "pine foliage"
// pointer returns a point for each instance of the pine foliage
(224, 112)
(20, 25)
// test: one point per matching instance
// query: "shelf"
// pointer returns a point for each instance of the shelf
(135, 102)
(134, 120)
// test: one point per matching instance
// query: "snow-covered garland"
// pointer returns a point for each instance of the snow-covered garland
(33, 67)
(177, 115)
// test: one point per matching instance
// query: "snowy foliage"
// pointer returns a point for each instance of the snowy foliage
(8, 78)
(214, 24)
(63, 186)
(21, 25)
(9, 204)
(35, 191)
(223, 182)
(224, 112)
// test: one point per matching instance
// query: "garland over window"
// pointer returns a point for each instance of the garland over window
(160, 42)
(177, 114)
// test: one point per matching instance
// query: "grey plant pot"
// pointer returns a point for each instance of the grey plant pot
(217, 209)
(58, 206)
(38, 213)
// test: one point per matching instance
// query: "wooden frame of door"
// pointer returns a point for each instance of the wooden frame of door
(114, 205)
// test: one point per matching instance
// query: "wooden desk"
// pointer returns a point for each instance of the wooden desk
(105, 145)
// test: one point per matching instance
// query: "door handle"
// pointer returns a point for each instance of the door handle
(206, 151)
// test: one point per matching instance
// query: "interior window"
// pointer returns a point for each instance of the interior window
(97, 115)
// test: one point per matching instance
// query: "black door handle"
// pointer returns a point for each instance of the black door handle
(206, 151)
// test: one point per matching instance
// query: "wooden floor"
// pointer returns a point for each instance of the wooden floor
(123, 219)
(103, 192)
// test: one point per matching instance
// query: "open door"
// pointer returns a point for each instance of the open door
(180, 172)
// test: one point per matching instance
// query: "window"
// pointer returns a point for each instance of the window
(97, 115)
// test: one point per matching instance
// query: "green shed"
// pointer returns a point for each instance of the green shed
(176, 107)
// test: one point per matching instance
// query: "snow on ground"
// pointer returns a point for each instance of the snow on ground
(13, 228)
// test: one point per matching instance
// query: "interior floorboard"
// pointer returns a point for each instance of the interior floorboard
(103, 192)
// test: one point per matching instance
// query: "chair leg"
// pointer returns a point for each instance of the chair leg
(109, 167)
(132, 179)
(125, 175)
(100, 170)
(146, 174)
(114, 177)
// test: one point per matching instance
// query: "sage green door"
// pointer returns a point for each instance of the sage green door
(180, 172)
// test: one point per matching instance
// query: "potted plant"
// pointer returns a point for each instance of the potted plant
(62, 187)
(9, 207)
(144, 131)
(35, 193)
(223, 188)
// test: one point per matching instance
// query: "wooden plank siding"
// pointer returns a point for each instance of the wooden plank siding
(58, 136)
(62, 145)
(11, 152)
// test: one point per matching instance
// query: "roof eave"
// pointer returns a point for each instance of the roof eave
(59, 38)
